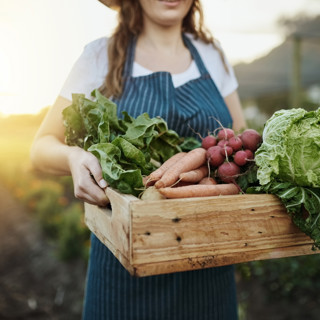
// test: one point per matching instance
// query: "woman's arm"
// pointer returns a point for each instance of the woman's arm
(50, 154)
(234, 105)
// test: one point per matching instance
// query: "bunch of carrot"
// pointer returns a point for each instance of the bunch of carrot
(187, 174)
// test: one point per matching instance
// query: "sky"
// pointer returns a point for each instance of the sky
(41, 39)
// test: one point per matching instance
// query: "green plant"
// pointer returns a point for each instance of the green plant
(287, 278)
(51, 201)
(73, 235)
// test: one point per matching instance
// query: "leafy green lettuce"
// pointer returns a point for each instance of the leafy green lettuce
(288, 166)
(125, 147)
(291, 148)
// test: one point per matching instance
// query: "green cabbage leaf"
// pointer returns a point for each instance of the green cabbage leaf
(287, 164)
(291, 148)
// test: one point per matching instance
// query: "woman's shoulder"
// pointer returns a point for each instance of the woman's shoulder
(95, 55)
(97, 46)
(89, 70)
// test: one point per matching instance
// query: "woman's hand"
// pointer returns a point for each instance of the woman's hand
(88, 181)
(50, 154)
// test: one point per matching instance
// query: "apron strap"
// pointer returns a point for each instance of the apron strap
(128, 67)
(127, 72)
(195, 54)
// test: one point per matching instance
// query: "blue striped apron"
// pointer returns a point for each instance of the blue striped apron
(111, 293)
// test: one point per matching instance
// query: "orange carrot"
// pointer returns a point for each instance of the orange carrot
(208, 181)
(157, 174)
(192, 160)
(194, 175)
(199, 190)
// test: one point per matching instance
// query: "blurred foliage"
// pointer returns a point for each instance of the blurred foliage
(264, 107)
(59, 214)
(48, 198)
(274, 102)
(73, 240)
(294, 279)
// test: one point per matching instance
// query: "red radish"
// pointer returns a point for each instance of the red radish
(225, 134)
(250, 139)
(223, 143)
(235, 143)
(208, 141)
(226, 151)
(228, 171)
(249, 154)
(240, 158)
(214, 156)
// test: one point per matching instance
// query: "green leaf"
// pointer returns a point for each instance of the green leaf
(141, 130)
(125, 147)
(126, 181)
(291, 139)
(248, 178)
(110, 110)
(75, 132)
(190, 143)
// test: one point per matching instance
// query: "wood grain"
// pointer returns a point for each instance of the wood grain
(163, 236)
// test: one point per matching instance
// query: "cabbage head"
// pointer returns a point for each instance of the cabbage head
(290, 151)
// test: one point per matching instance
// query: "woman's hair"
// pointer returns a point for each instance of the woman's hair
(130, 24)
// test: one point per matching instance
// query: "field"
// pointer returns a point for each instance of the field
(41, 276)
(44, 248)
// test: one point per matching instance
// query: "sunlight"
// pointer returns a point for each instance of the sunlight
(246, 47)
(37, 51)
(7, 90)
(5, 74)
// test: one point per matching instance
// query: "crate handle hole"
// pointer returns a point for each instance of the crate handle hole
(108, 209)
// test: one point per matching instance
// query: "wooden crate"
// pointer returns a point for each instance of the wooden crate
(164, 236)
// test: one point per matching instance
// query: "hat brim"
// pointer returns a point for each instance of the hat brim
(113, 4)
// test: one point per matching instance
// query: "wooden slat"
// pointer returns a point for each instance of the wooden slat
(148, 269)
(174, 230)
(112, 225)
(156, 237)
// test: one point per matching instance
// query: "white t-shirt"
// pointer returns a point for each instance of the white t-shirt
(90, 70)
(178, 79)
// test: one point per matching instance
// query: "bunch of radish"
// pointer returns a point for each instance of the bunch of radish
(209, 170)
(185, 175)
(229, 153)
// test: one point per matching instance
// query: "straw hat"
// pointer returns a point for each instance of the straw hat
(113, 4)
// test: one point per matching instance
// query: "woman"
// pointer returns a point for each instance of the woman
(161, 61)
